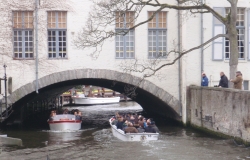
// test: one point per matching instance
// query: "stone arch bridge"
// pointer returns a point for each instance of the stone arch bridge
(151, 97)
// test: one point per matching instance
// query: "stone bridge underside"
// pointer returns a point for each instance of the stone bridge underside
(151, 97)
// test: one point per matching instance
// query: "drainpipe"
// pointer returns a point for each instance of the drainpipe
(179, 61)
(202, 41)
(36, 34)
(202, 63)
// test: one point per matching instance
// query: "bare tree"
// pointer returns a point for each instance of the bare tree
(104, 15)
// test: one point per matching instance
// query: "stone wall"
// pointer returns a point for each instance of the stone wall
(221, 110)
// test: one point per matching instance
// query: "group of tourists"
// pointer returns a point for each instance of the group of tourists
(76, 112)
(224, 80)
(133, 123)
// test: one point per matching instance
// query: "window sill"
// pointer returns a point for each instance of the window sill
(23, 58)
(240, 60)
(123, 58)
(65, 58)
(161, 58)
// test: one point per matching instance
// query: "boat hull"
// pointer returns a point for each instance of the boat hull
(64, 125)
(133, 136)
(94, 100)
(64, 122)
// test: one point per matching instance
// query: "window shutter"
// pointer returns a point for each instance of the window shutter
(248, 34)
(218, 44)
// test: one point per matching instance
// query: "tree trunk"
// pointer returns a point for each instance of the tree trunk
(234, 52)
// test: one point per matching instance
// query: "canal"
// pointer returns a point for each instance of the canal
(95, 141)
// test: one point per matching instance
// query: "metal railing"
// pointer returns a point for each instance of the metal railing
(4, 114)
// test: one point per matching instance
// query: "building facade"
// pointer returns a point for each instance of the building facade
(44, 36)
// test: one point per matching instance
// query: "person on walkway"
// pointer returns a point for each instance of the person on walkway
(204, 81)
(237, 81)
(223, 80)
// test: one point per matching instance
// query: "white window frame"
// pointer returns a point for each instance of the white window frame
(248, 40)
(59, 33)
(157, 30)
(25, 41)
(219, 43)
(125, 42)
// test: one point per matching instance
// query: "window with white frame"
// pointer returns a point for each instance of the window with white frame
(57, 37)
(23, 34)
(221, 46)
(248, 34)
(124, 40)
(157, 35)
(240, 26)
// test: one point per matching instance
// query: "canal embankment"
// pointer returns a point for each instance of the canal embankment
(220, 111)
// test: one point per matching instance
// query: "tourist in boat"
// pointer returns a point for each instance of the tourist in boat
(125, 125)
(77, 116)
(132, 119)
(103, 92)
(154, 126)
(140, 128)
(120, 123)
(66, 111)
(115, 118)
(136, 122)
(52, 114)
(149, 128)
(130, 128)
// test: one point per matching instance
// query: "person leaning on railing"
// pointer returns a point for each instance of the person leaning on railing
(238, 80)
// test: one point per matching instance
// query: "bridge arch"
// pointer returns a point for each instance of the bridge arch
(151, 97)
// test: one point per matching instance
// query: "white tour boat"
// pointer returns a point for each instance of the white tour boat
(64, 122)
(120, 134)
(81, 99)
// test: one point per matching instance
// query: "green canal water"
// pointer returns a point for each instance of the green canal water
(96, 142)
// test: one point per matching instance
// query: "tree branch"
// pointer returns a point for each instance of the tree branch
(135, 66)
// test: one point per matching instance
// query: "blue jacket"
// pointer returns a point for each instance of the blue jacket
(204, 81)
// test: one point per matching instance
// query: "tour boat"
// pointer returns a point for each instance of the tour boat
(120, 134)
(64, 122)
(81, 99)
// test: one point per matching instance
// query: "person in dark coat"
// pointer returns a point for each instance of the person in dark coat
(154, 126)
(149, 128)
(204, 81)
(120, 123)
(223, 80)
(140, 128)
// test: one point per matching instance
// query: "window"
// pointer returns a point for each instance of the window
(248, 34)
(157, 35)
(124, 43)
(57, 27)
(240, 25)
(218, 44)
(23, 34)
